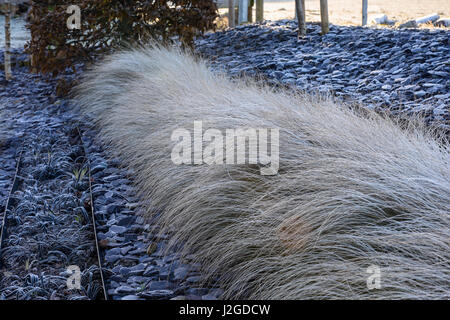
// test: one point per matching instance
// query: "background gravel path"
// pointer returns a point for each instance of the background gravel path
(348, 12)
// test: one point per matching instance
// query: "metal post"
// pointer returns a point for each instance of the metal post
(243, 11)
(364, 12)
(231, 14)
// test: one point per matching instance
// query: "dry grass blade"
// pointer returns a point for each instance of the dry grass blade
(352, 190)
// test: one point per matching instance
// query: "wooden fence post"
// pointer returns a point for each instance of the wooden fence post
(250, 11)
(300, 11)
(243, 11)
(231, 14)
(259, 10)
(324, 16)
(364, 12)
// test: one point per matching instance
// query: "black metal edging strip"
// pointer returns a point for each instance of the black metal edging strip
(93, 217)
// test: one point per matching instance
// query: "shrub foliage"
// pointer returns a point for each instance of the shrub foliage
(110, 23)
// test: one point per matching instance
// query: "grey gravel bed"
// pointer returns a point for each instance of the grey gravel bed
(9, 154)
(50, 227)
(403, 71)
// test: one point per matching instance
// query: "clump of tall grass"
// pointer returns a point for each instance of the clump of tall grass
(353, 189)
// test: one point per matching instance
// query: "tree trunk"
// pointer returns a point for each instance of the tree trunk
(324, 16)
(7, 54)
(231, 14)
(300, 11)
(259, 10)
